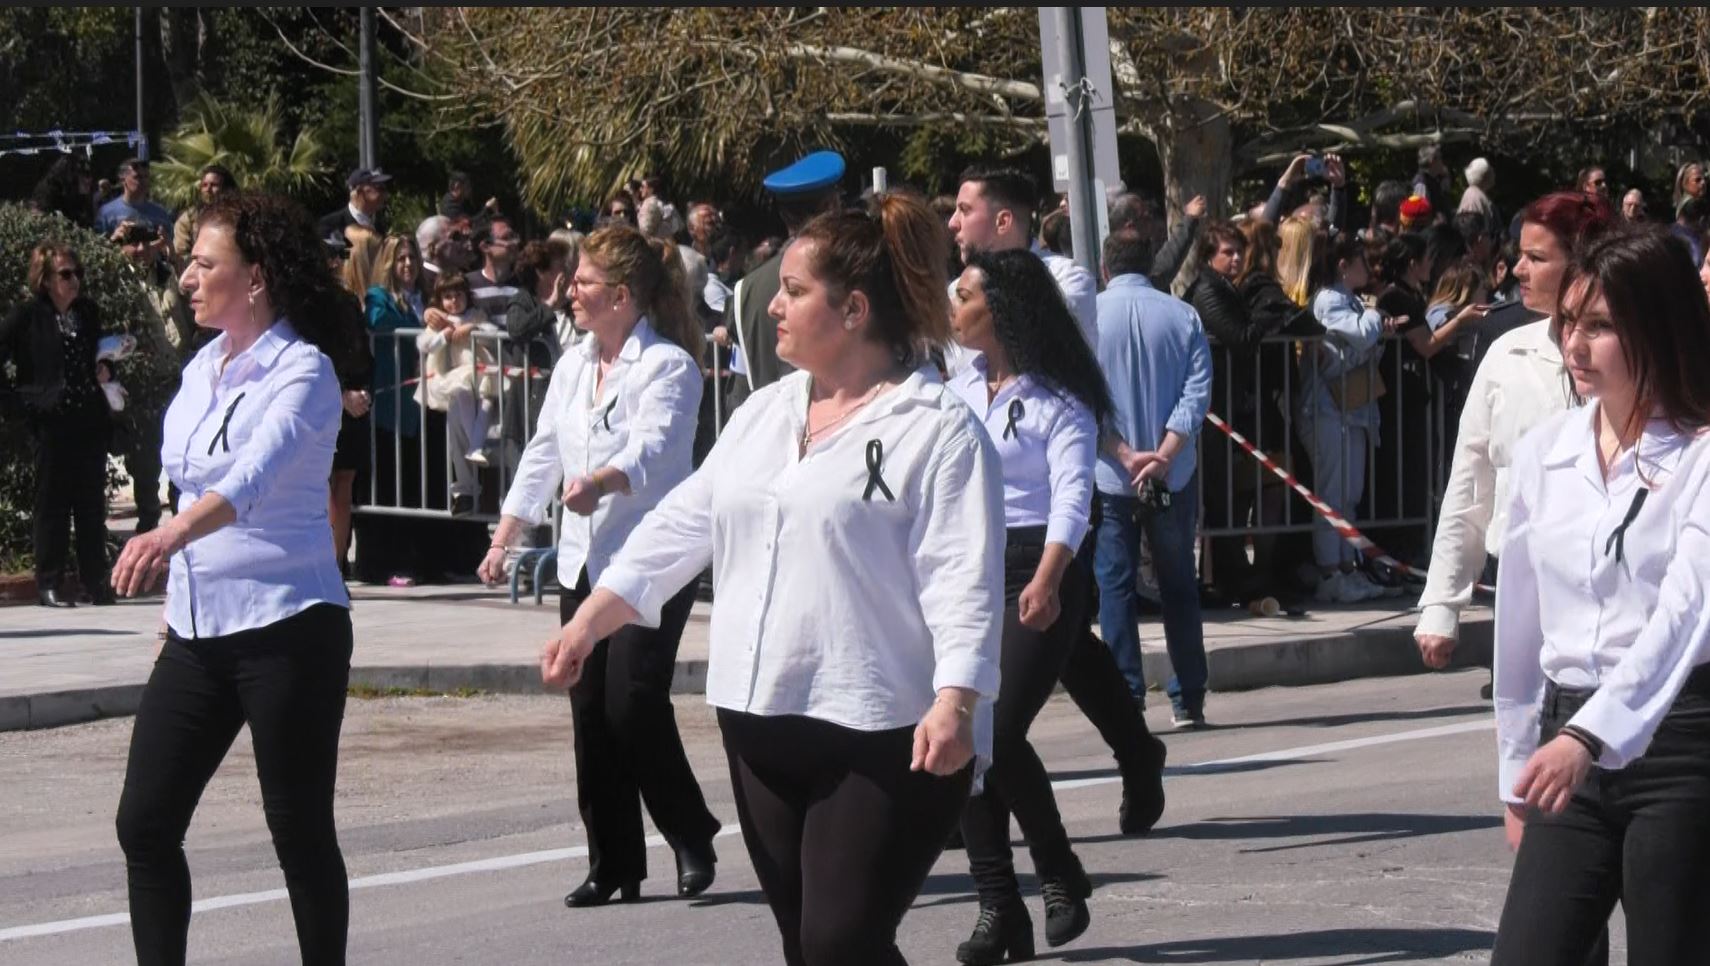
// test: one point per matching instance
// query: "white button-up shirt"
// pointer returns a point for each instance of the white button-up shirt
(1520, 384)
(641, 422)
(1592, 595)
(851, 583)
(1047, 441)
(261, 434)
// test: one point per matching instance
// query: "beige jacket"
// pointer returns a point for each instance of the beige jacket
(1520, 384)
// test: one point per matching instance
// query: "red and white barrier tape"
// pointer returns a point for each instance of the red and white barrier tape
(1347, 531)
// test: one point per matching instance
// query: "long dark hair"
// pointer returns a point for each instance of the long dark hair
(277, 234)
(1660, 313)
(1036, 328)
(59, 191)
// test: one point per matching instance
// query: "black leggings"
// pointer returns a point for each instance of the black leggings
(1638, 835)
(628, 749)
(71, 485)
(841, 833)
(287, 681)
(1017, 781)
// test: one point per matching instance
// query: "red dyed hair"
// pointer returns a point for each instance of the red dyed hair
(1573, 217)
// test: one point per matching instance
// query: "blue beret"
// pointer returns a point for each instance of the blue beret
(817, 171)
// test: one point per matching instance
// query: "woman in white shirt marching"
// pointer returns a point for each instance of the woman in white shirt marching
(1520, 384)
(259, 618)
(1603, 627)
(617, 428)
(1041, 396)
(853, 515)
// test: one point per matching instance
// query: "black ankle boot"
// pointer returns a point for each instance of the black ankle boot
(1142, 795)
(1066, 915)
(1004, 933)
(592, 893)
(695, 869)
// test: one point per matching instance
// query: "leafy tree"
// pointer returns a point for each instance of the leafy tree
(250, 142)
(589, 96)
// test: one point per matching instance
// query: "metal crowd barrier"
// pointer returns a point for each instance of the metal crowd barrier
(1264, 405)
(403, 478)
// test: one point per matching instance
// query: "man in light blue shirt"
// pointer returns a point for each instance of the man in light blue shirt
(1155, 357)
(133, 204)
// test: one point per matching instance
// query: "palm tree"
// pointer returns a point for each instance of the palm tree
(249, 141)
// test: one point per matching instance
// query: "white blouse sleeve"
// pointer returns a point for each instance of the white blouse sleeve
(1458, 552)
(957, 548)
(1635, 696)
(1519, 671)
(1069, 454)
(540, 469)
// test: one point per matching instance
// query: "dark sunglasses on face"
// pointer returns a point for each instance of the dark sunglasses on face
(70, 273)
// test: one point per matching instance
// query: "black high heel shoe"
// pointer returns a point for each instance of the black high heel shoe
(695, 869)
(591, 893)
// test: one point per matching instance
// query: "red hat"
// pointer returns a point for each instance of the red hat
(1415, 208)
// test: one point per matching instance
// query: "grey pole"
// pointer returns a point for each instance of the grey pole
(142, 149)
(369, 148)
(1083, 207)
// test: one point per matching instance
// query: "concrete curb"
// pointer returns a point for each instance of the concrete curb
(1362, 653)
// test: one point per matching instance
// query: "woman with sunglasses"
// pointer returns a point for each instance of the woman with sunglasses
(52, 340)
(618, 427)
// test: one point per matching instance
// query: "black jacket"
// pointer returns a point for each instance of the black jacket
(335, 222)
(29, 337)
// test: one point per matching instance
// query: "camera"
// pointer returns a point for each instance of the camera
(135, 234)
(1315, 167)
(1154, 495)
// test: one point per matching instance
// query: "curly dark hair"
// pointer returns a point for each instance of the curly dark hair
(278, 235)
(1036, 328)
(59, 191)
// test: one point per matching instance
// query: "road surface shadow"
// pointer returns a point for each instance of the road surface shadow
(1374, 946)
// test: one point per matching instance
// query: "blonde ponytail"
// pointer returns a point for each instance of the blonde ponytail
(653, 271)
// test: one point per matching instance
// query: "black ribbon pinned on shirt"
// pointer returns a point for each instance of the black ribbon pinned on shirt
(222, 435)
(1618, 540)
(606, 417)
(1016, 411)
(875, 458)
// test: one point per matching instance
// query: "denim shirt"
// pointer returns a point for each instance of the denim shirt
(1153, 351)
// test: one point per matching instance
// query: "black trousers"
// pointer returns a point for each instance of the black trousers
(841, 833)
(142, 464)
(628, 750)
(71, 485)
(287, 681)
(1638, 835)
(1017, 783)
(1097, 687)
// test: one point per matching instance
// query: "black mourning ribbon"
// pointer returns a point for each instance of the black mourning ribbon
(222, 435)
(606, 417)
(1016, 411)
(1618, 539)
(875, 458)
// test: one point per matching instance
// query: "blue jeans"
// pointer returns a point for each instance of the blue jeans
(1116, 565)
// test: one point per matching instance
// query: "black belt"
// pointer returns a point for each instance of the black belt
(1564, 702)
(1024, 537)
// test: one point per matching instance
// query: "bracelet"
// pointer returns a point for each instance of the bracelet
(962, 710)
(498, 546)
(1586, 739)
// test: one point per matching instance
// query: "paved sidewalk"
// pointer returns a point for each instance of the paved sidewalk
(65, 666)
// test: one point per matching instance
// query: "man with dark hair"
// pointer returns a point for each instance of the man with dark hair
(1689, 226)
(1432, 180)
(369, 191)
(133, 203)
(994, 212)
(214, 180)
(1155, 357)
(490, 286)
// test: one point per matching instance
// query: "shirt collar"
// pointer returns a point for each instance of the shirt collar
(640, 338)
(264, 352)
(1659, 448)
(359, 217)
(1129, 280)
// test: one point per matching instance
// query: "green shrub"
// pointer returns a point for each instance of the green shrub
(150, 376)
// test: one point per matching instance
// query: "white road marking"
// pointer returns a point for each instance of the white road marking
(521, 860)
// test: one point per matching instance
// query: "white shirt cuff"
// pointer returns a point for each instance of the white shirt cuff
(646, 596)
(1441, 620)
(961, 671)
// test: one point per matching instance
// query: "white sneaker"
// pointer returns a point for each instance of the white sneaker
(477, 457)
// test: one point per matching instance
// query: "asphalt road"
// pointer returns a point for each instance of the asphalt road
(1346, 824)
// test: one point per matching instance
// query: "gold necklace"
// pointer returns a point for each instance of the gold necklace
(808, 433)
